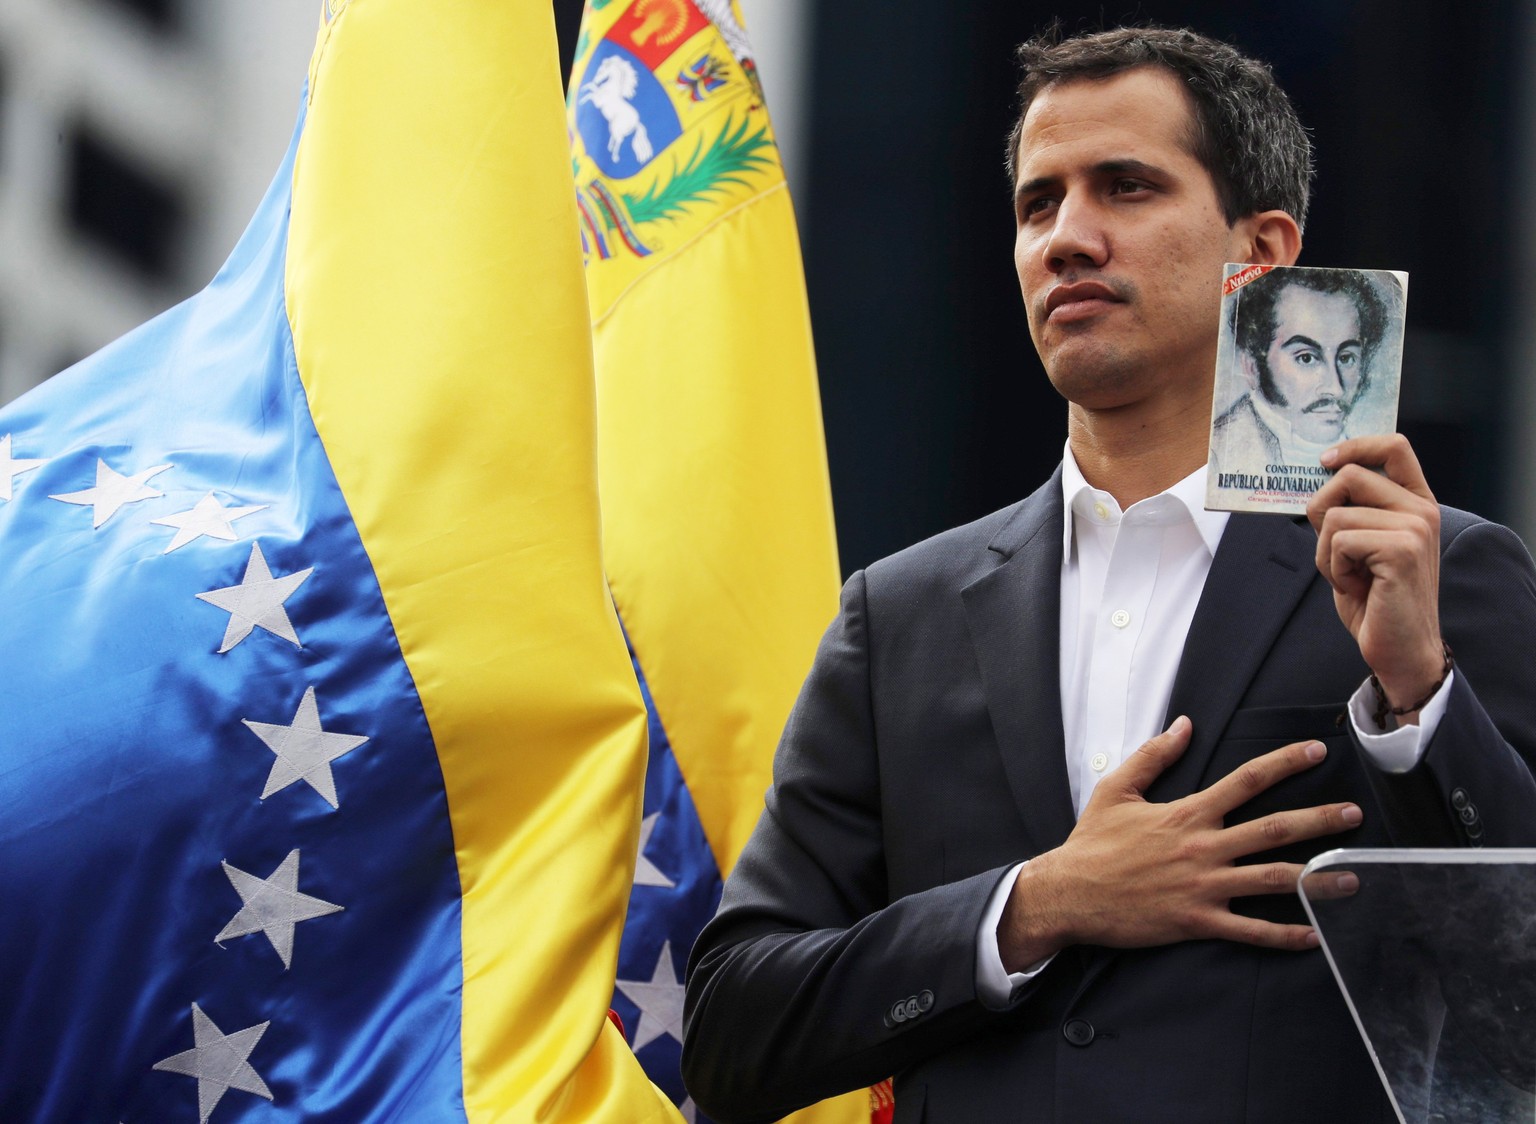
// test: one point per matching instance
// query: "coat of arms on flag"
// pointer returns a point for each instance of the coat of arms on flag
(668, 128)
(718, 540)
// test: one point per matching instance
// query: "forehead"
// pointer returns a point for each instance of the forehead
(1310, 312)
(1143, 114)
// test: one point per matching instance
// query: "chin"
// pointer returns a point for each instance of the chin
(1094, 384)
(1323, 434)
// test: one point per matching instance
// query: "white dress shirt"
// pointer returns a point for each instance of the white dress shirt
(1130, 582)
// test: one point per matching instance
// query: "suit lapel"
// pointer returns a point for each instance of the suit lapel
(1013, 614)
(1261, 570)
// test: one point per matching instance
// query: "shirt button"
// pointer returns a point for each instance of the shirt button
(1100, 510)
(1099, 762)
(1120, 618)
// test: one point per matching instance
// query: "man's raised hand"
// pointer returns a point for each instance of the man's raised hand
(1378, 546)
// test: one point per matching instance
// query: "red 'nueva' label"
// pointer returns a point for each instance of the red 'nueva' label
(1242, 277)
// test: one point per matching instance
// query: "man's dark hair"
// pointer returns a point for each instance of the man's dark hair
(1245, 133)
(1257, 322)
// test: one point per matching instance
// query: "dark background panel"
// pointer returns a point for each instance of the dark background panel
(937, 410)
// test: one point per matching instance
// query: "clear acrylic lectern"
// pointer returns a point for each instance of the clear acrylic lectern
(1436, 955)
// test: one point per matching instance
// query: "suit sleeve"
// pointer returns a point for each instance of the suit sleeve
(1473, 786)
(809, 981)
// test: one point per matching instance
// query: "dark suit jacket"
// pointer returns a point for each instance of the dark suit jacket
(925, 757)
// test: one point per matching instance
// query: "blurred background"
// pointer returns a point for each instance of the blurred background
(136, 137)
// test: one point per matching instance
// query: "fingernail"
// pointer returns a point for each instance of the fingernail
(1178, 725)
(1346, 883)
(1329, 456)
(1351, 815)
(1316, 751)
(1311, 940)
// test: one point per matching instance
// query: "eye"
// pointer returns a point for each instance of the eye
(1128, 187)
(1304, 358)
(1349, 358)
(1037, 205)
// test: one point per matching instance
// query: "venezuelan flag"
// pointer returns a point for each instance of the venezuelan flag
(320, 749)
(717, 516)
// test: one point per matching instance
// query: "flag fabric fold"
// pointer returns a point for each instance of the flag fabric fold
(717, 516)
(320, 750)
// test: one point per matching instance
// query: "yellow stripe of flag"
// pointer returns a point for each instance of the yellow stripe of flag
(439, 322)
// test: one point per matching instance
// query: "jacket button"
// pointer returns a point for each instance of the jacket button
(1459, 798)
(1079, 1032)
(925, 1001)
(1469, 815)
(910, 1008)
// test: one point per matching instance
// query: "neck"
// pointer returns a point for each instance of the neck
(1132, 456)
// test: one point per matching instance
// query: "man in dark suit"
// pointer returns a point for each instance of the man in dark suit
(1038, 815)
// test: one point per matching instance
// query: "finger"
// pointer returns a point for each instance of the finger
(1329, 885)
(1287, 878)
(1355, 486)
(1370, 519)
(1261, 774)
(1355, 520)
(1255, 879)
(1279, 828)
(1356, 559)
(1137, 772)
(1391, 452)
(1264, 934)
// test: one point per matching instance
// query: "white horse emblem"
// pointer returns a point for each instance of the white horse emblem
(613, 91)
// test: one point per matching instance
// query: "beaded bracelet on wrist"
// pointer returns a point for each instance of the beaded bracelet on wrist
(1384, 705)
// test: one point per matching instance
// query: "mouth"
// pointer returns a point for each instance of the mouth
(1079, 301)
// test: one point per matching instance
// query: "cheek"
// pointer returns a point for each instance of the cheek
(1023, 261)
(1031, 278)
(1282, 373)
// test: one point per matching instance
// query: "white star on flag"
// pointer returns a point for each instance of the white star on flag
(113, 490)
(218, 1061)
(648, 873)
(11, 466)
(257, 602)
(209, 517)
(304, 751)
(660, 1001)
(273, 906)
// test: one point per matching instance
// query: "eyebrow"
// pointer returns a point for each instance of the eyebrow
(1310, 342)
(1121, 167)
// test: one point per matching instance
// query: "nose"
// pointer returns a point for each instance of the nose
(1342, 376)
(1076, 238)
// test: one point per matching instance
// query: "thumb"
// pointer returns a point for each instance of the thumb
(1137, 772)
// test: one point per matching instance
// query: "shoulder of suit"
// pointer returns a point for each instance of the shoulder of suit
(955, 557)
(1453, 521)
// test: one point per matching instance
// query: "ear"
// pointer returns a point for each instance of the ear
(1250, 369)
(1268, 238)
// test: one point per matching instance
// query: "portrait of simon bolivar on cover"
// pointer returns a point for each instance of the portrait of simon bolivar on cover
(1306, 358)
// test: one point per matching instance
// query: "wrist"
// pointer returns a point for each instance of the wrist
(1031, 928)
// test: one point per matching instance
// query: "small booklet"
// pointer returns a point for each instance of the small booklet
(1305, 358)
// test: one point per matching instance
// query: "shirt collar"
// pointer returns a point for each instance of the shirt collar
(1188, 492)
